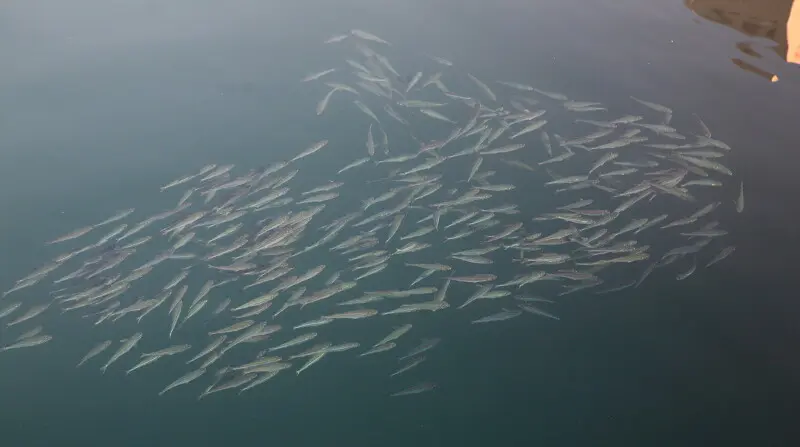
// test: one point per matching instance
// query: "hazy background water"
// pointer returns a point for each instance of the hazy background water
(102, 101)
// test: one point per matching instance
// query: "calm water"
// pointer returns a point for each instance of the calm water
(103, 101)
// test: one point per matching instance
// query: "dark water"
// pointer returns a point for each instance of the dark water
(102, 101)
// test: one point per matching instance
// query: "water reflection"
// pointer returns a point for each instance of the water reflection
(776, 20)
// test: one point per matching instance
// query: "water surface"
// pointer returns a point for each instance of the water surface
(104, 101)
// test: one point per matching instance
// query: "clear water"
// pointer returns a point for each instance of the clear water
(102, 102)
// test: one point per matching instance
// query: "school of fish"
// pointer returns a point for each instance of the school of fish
(273, 268)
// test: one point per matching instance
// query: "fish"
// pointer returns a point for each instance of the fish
(95, 351)
(310, 150)
(179, 181)
(436, 115)
(119, 215)
(33, 312)
(336, 38)
(505, 314)
(517, 86)
(368, 36)
(536, 125)
(740, 200)
(412, 364)
(352, 315)
(370, 142)
(378, 349)
(536, 311)
(233, 383)
(415, 389)
(216, 343)
(483, 87)
(485, 277)
(183, 380)
(425, 346)
(687, 273)
(441, 60)
(363, 107)
(311, 361)
(142, 363)
(657, 107)
(323, 103)
(724, 253)
(28, 342)
(317, 75)
(603, 160)
(394, 335)
(475, 166)
(72, 235)
(127, 345)
(176, 315)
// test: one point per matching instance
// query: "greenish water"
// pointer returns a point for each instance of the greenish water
(104, 102)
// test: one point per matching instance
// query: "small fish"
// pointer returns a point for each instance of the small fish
(436, 115)
(505, 314)
(687, 273)
(72, 235)
(724, 253)
(414, 80)
(129, 344)
(485, 88)
(536, 311)
(367, 36)
(395, 334)
(8, 310)
(28, 342)
(311, 149)
(315, 76)
(336, 38)
(314, 359)
(236, 382)
(324, 197)
(363, 107)
(235, 327)
(536, 125)
(144, 362)
(323, 103)
(116, 217)
(31, 313)
(183, 380)
(424, 346)
(352, 315)
(383, 347)
(295, 341)
(474, 278)
(441, 60)
(370, 142)
(416, 389)
(413, 363)
(517, 86)
(176, 314)
(740, 200)
(95, 351)
(180, 181)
